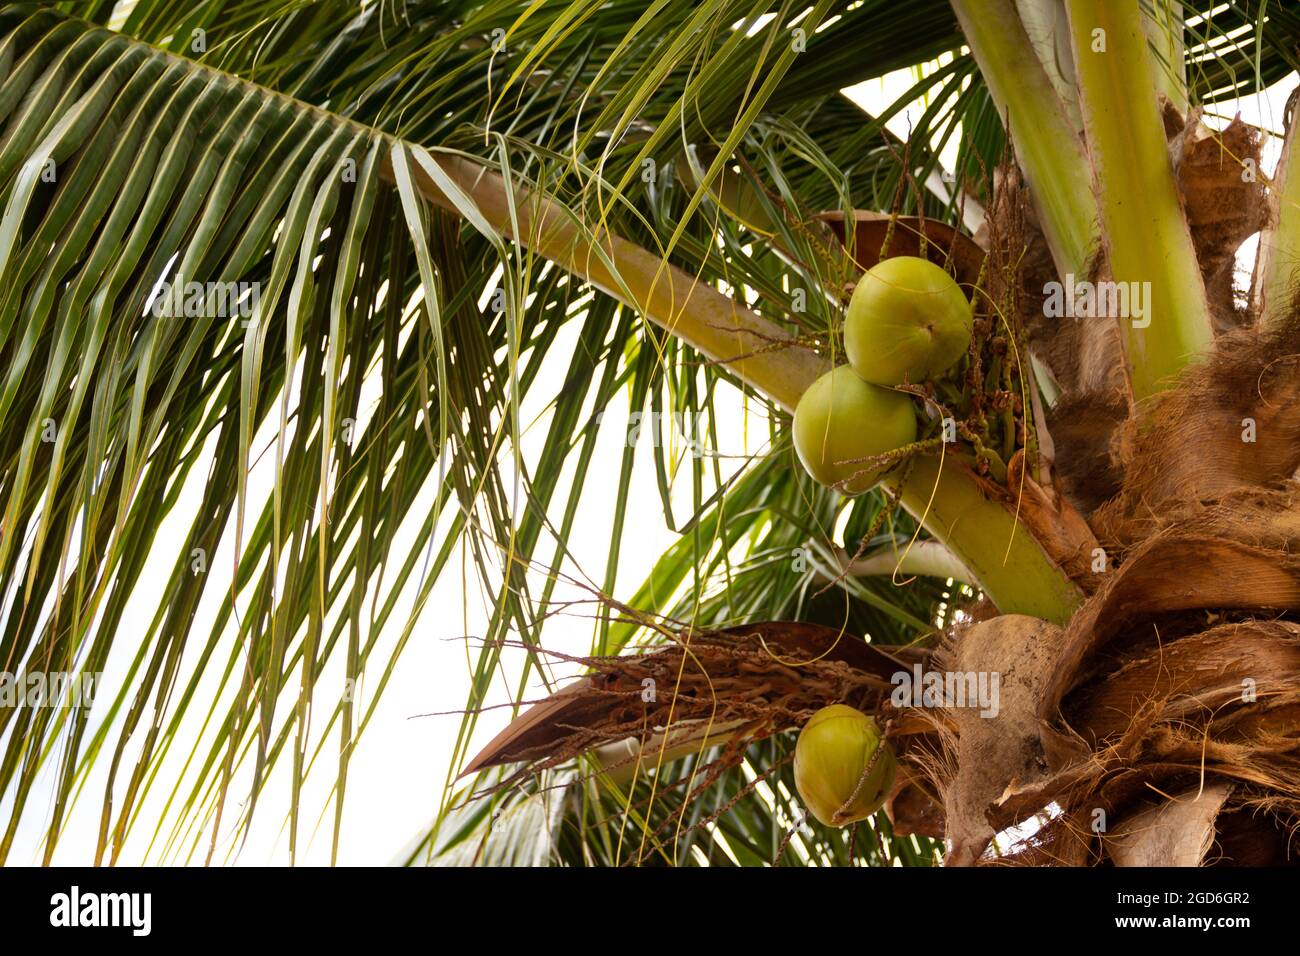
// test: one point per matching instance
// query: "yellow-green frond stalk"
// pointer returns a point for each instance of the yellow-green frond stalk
(1047, 146)
(1157, 292)
(1163, 22)
(984, 534)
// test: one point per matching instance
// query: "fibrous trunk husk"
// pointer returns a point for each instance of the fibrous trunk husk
(1091, 422)
(1171, 701)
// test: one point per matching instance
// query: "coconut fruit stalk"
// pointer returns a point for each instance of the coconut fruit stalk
(834, 770)
(841, 421)
(908, 321)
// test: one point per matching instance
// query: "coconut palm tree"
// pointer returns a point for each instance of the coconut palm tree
(341, 241)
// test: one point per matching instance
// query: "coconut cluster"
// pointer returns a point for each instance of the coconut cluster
(908, 322)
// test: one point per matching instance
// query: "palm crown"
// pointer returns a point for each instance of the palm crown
(422, 200)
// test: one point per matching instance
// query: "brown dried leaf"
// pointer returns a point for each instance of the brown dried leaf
(1159, 578)
(1197, 679)
(1176, 832)
(943, 244)
(764, 675)
(1225, 202)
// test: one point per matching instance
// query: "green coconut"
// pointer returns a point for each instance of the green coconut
(908, 321)
(833, 752)
(841, 420)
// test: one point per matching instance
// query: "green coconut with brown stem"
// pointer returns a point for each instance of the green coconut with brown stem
(843, 767)
(908, 321)
(842, 422)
